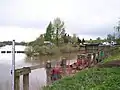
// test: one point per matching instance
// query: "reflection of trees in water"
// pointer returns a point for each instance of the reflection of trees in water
(42, 59)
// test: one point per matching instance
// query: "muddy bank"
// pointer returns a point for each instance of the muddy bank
(114, 63)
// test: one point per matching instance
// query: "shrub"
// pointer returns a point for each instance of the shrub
(28, 51)
(68, 48)
(51, 49)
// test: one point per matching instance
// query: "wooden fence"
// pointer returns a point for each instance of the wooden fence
(25, 71)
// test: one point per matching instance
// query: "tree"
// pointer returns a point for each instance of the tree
(90, 39)
(69, 38)
(117, 29)
(110, 37)
(78, 40)
(65, 38)
(49, 32)
(74, 39)
(98, 38)
(83, 41)
(58, 28)
(40, 40)
(63, 32)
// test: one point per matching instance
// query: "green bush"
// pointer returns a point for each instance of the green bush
(28, 51)
(68, 48)
(51, 50)
(92, 79)
(42, 50)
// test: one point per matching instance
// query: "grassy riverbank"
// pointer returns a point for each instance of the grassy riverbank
(91, 79)
(115, 55)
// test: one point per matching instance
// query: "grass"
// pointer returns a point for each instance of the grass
(92, 79)
(115, 55)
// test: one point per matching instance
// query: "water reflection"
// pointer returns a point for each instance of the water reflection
(37, 77)
(42, 59)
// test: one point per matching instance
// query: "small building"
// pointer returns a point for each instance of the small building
(92, 47)
(48, 43)
(82, 49)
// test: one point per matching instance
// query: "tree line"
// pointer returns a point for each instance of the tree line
(10, 43)
(56, 33)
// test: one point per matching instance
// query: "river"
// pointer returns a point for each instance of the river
(37, 77)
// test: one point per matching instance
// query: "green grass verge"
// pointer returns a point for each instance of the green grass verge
(114, 56)
(91, 79)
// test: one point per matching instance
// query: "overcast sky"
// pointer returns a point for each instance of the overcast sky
(24, 20)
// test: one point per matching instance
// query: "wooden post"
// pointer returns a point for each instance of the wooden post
(48, 71)
(63, 65)
(89, 60)
(83, 60)
(25, 72)
(26, 82)
(17, 83)
(48, 76)
(94, 58)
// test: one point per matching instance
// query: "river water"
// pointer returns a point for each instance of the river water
(37, 77)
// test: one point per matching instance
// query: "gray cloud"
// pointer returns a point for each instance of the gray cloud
(25, 23)
(84, 17)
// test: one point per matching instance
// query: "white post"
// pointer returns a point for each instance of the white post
(13, 65)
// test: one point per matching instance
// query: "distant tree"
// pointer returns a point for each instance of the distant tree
(110, 37)
(90, 39)
(49, 33)
(74, 39)
(58, 28)
(83, 41)
(105, 39)
(65, 38)
(98, 38)
(63, 32)
(117, 30)
(39, 41)
(69, 38)
(22, 43)
(78, 40)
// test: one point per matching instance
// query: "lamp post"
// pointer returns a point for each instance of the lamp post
(13, 65)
